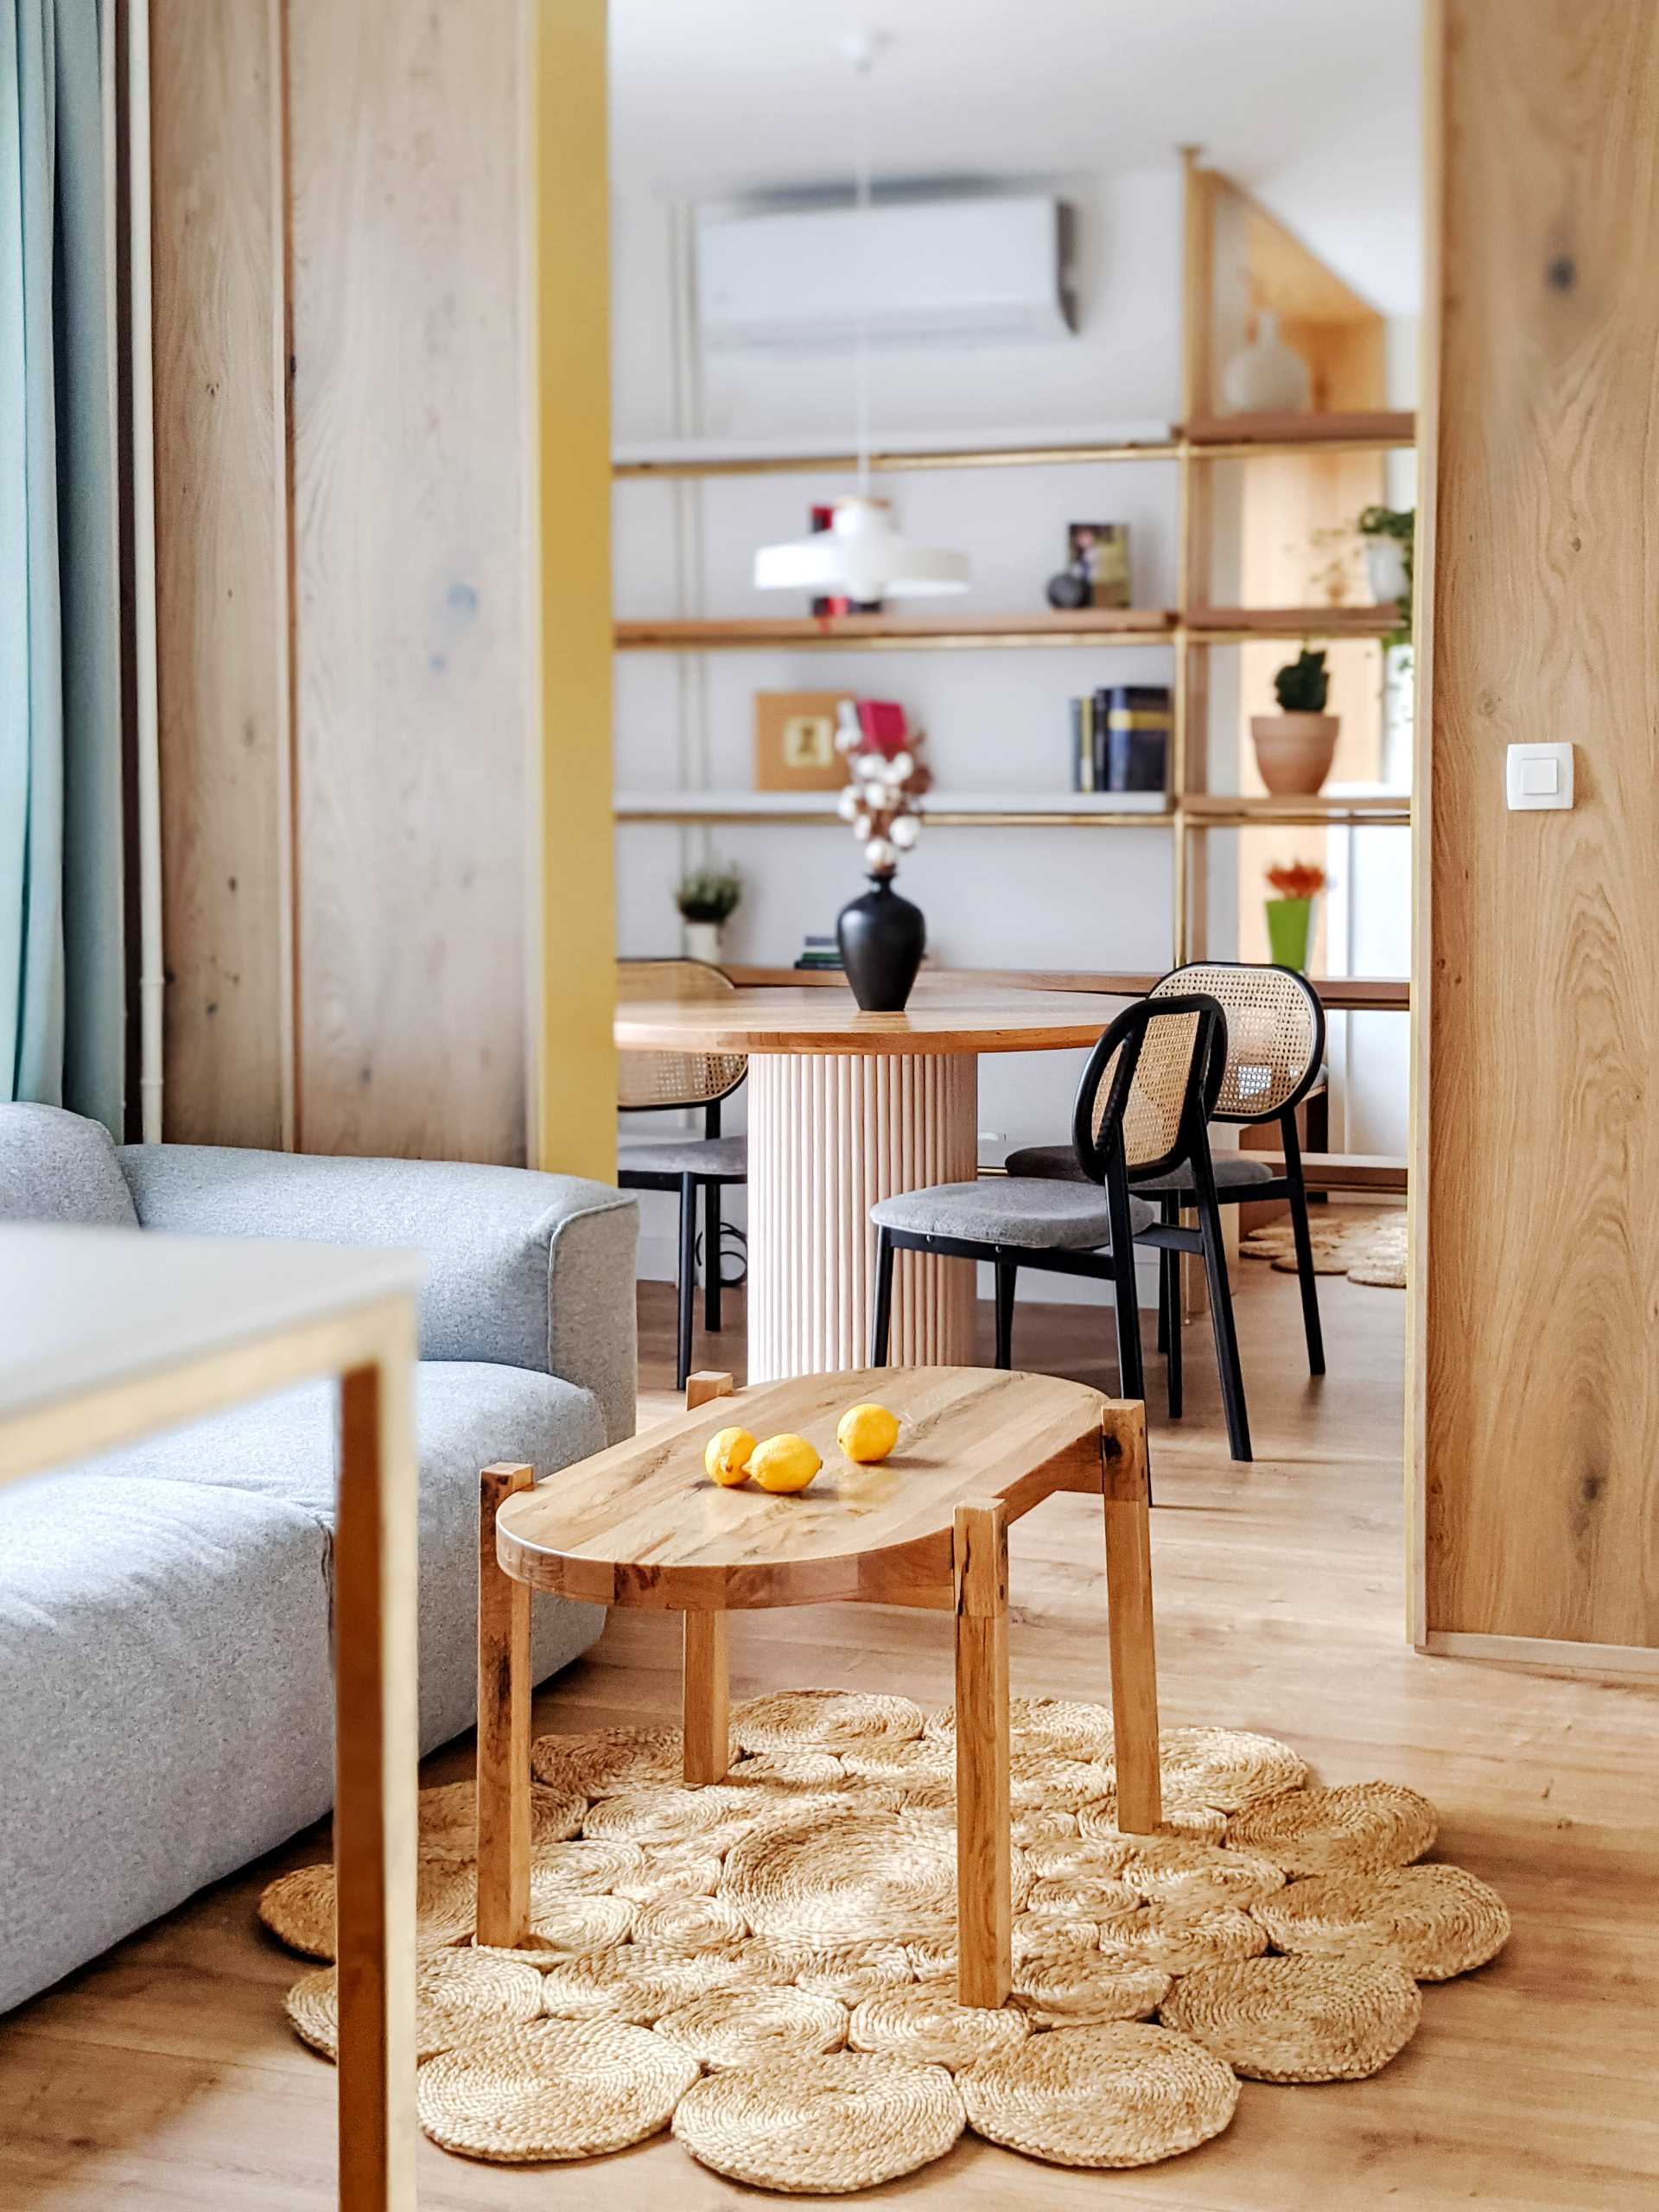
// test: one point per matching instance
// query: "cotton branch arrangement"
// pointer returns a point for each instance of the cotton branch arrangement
(888, 781)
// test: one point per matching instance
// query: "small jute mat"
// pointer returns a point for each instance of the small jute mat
(823, 1721)
(299, 1907)
(846, 1972)
(821, 2126)
(681, 1923)
(1227, 1768)
(639, 1982)
(448, 1818)
(1359, 1827)
(756, 2027)
(554, 2089)
(1179, 1941)
(1063, 1725)
(684, 1870)
(1196, 1821)
(1434, 1921)
(604, 1760)
(924, 2022)
(564, 1921)
(1081, 1897)
(1119, 2095)
(458, 1994)
(1299, 2019)
(656, 1812)
(1369, 1247)
(587, 1867)
(1086, 1988)
(1166, 1870)
(782, 1774)
(852, 1878)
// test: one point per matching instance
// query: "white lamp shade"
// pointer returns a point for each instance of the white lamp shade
(861, 556)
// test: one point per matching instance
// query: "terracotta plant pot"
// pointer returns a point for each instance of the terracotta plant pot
(1294, 752)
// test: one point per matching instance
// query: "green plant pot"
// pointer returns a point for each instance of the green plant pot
(1290, 924)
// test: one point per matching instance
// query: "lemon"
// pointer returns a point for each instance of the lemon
(784, 1462)
(726, 1456)
(866, 1433)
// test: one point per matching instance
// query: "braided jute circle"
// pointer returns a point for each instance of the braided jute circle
(1434, 1921)
(1032, 1937)
(1227, 1768)
(1171, 1870)
(655, 1813)
(675, 1923)
(639, 1982)
(458, 1994)
(1358, 1828)
(554, 2089)
(821, 2126)
(448, 1818)
(1081, 1897)
(586, 1867)
(756, 2027)
(782, 1772)
(924, 2022)
(1179, 1941)
(793, 1720)
(1059, 1725)
(852, 1878)
(604, 1760)
(1085, 1989)
(684, 1870)
(1299, 2019)
(563, 1922)
(299, 1907)
(1042, 1824)
(916, 1759)
(1183, 1816)
(845, 1971)
(1118, 2095)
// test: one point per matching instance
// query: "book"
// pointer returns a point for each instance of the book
(1133, 724)
(1083, 745)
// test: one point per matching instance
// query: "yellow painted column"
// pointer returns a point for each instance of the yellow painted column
(574, 1124)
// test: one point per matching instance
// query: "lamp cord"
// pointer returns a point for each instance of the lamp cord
(863, 62)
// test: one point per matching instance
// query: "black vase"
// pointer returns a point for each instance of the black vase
(882, 938)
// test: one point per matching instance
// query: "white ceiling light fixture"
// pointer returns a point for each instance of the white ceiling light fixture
(860, 556)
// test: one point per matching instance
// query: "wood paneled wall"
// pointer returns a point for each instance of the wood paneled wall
(1534, 1399)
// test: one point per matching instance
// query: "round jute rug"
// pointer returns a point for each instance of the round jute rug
(1298, 2019)
(1121, 2095)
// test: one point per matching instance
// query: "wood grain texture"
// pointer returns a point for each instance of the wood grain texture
(412, 451)
(948, 1018)
(642, 1524)
(504, 1687)
(221, 563)
(766, 632)
(984, 1971)
(1338, 994)
(1129, 1597)
(706, 1721)
(1541, 1430)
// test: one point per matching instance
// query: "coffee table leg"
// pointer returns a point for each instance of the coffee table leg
(985, 1971)
(1128, 1598)
(503, 1727)
(707, 1722)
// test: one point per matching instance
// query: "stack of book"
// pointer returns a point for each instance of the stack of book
(1119, 738)
(820, 952)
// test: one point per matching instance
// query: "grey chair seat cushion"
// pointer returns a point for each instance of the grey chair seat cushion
(1233, 1169)
(59, 1166)
(724, 1156)
(1052, 1214)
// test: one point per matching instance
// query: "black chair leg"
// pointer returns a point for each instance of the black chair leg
(1305, 1274)
(881, 1321)
(1006, 1273)
(1131, 1377)
(688, 1277)
(711, 1257)
(1169, 1283)
(1221, 1312)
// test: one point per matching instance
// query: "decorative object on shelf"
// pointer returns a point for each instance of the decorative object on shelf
(819, 952)
(1390, 536)
(1295, 748)
(882, 937)
(795, 741)
(860, 557)
(706, 898)
(1266, 376)
(1296, 884)
(1096, 572)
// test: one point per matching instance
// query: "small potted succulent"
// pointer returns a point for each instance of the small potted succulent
(1388, 535)
(882, 937)
(1295, 885)
(706, 898)
(1294, 748)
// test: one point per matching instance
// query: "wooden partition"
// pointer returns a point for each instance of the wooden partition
(1535, 1402)
(351, 555)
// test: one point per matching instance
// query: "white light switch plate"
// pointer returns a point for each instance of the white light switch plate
(1539, 776)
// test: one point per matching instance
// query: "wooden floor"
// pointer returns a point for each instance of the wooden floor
(164, 2076)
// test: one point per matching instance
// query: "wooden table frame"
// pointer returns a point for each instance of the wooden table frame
(370, 1345)
(977, 1596)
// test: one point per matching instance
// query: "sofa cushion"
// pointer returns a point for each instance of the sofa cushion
(165, 1688)
(467, 1414)
(59, 1166)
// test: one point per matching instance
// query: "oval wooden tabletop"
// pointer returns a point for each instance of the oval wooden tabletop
(940, 1018)
(643, 1524)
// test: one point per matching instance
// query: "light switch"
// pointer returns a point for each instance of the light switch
(1539, 776)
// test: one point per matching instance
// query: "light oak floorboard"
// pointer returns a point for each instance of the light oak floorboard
(163, 2076)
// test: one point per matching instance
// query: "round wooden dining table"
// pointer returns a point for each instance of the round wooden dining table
(847, 1109)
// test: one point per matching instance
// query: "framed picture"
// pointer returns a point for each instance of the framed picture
(795, 741)
(1099, 552)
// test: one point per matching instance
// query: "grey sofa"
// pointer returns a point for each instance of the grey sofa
(165, 1704)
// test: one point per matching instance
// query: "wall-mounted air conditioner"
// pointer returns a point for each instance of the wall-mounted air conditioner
(988, 267)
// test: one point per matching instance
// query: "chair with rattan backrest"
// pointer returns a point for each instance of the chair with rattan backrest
(659, 1082)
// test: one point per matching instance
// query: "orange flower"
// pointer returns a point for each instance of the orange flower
(1296, 878)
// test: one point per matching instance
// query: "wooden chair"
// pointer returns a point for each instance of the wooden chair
(649, 1083)
(1143, 1112)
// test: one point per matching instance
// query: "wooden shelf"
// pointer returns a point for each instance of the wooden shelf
(1083, 447)
(1220, 809)
(1237, 437)
(1240, 625)
(887, 633)
(1339, 994)
(941, 810)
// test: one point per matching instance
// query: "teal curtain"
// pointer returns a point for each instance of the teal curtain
(62, 966)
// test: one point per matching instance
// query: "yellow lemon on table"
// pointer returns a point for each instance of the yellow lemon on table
(784, 1463)
(868, 1434)
(726, 1456)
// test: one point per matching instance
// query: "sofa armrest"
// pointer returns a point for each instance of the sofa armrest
(523, 1269)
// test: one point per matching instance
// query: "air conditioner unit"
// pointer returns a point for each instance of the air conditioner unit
(962, 269)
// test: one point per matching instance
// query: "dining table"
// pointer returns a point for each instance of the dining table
(846, 1108)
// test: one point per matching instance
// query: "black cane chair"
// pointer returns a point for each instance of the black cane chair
(1143, 1111)
(1275, 1050)
(649, 1081)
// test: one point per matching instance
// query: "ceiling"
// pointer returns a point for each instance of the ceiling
(1313, 104)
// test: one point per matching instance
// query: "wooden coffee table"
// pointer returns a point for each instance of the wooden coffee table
(642, 1524)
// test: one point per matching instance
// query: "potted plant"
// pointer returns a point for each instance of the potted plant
(1294, 748)
(707, 897)
(1388, 535)
(1295, 884)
